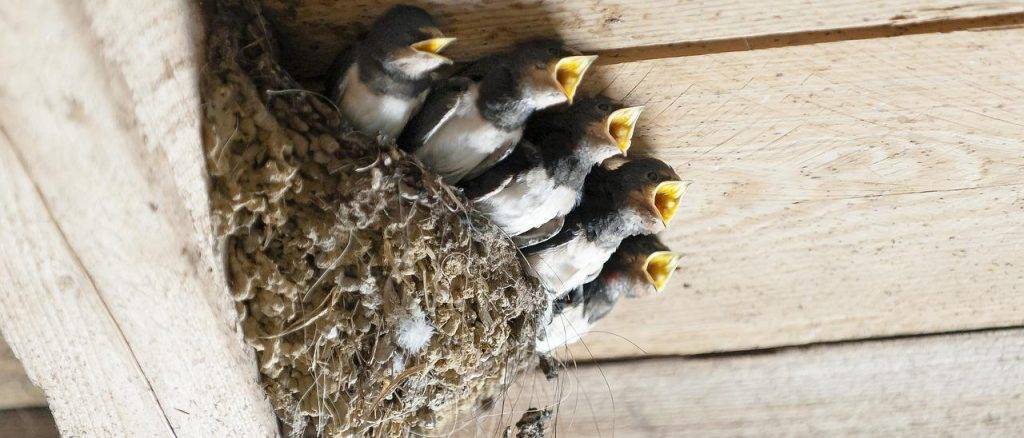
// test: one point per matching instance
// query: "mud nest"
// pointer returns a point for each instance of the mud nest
(377, 300)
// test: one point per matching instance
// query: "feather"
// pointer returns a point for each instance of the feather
(539, 234)
(498, 177)
(444, 99)
(414, 331)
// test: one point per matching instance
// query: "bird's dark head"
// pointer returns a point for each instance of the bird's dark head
(648, 187)
(645, 264)
(548, 72)
(600, 124)
(406, 40)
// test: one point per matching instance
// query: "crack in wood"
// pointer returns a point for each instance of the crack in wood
(88, 275)
(748, 352)
(914, 192)
(802, 38)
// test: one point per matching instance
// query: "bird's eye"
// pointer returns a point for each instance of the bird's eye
(652, 176)
(604, 107)
(552, 50)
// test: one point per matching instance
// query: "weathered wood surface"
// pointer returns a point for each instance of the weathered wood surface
(946, 385)
(314, 30)
(16, 391)
(111, 295)
(842, 191)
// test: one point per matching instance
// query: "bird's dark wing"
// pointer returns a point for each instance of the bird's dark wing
(539, 234)
(521, 158)
(439, 107)
(493, 158)
(561, 239)
(599, 299)
(570, 299)
(488, 184)
(498, 177)
(336, 74)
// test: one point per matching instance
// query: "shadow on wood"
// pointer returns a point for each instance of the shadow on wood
(28, 423)
(313, 32)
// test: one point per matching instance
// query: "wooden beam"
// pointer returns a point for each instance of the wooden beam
(953, 385)
(16, 391)
(314, 30)
(112, 296)
(842, 191)
(59, 325)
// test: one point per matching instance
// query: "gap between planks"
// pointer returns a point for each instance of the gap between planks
(765, 351)
(802, 38)
(939, 385)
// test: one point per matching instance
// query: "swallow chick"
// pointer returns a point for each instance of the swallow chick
(626, 198)
(640, 267)
(469, 124)
(381, 82)
(529, 193)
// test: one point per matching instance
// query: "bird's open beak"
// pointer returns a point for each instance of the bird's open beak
(621, 125)
(568, 73)
(433, 46)
(659, 268)
(666, 198)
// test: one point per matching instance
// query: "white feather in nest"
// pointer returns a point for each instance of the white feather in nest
(414, 330)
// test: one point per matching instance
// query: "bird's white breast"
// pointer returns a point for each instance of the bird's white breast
(464, 140)
(529, 201)
(375, 113)
(568, 266)
(565, 328)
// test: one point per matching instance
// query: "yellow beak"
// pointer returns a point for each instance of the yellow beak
(659, 268)
(433, 46)
(568, 73)
(621, 125)
(666, 198)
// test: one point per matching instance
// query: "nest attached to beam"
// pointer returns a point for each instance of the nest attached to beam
(336, 243)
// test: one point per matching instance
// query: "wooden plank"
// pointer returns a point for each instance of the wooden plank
(314, 30)
(16, 391)
(842, 191)
(65, 346)
(952, 385)
(111, 294)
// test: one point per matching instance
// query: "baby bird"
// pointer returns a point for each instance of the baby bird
(529, 193)
(640, 267)
(381, 82)
(621, 198)
(468, 125)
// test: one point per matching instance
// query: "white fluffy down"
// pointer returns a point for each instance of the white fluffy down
(414, 331)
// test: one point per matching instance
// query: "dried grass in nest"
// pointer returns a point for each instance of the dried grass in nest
(333, 239)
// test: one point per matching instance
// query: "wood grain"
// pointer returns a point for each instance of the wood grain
(111, 294)
(58, 323)
(16, 391)
(842, 191)
(947, 385)
(314, 30)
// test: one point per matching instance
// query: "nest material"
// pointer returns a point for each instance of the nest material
(337, 245)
